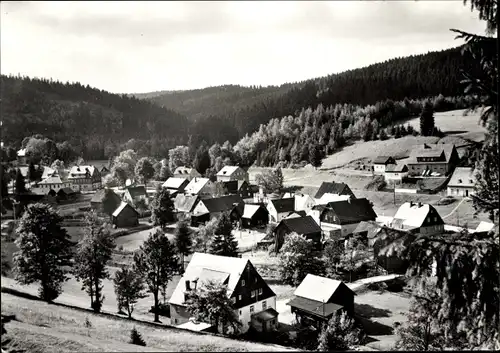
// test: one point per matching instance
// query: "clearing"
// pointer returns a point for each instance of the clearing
(41, 327)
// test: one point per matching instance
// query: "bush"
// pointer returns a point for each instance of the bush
(271, 249)
(163, 310)
(378, 183)
(446, 201)
(136, 338)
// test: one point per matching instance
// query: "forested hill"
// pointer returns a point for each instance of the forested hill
(243, 109)
(91, 120)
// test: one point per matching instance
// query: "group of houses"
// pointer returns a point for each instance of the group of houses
(429, 160)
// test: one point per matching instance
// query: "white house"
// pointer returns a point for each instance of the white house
(303, 202)
(462, 182)
(395, 173)
(200, 187)
(380, 164)
(85, 178)
(254, 302)
(280, 209)
(53, 182)
(419, 218)
(185, 172)
(229, 173)
(174, 185)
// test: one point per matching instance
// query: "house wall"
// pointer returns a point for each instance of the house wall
(45, 188)
(126, 218)
(379, 168)
(200, 208)
(343, 296)
(178, 314)
(345, 229)
(395, 176)
(301, 205)
(245, 316)
(460, 191)
(419, 168)
(239, 174)
(431, 229)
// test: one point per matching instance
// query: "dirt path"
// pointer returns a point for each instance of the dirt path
(453, 211)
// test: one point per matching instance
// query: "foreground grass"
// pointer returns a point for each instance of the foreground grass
(48, 328)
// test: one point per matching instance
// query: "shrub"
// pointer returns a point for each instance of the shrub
(136, 338)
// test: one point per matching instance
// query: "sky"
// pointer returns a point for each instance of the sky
(135, 47)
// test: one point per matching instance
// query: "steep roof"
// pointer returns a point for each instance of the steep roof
(228, 170)
(223, 203)
(283, 205)
(120, 208)
(353, 210)
(332, 188)
(137, 191)
(396, 168)
(203, 265)
(185, 203)
(328, 197)
(54, 179)
(463, 176)
(411, 215)
(195, 185)
(301, 225)
(485, 226)
(67, 191)
(250, 210)
(381, 159)
(174, 183)
(80, 171)
(317, 288)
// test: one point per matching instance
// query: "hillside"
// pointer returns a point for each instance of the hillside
(244, 109)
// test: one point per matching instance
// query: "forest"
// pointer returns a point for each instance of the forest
(98, 124)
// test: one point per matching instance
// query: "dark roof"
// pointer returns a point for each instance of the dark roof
(353, 210)
(136, 191)
(301, 225)
(332, 188)
(223, 203)
(314, 307)
(67, 191)
(396, 168)
(381, 159)
(284, 205)
(185, 203)
(101, 193)
(301, 213)
(231, 186)
(265, 315)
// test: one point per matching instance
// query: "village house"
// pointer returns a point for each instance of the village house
(340, 218)
(125, 216)
(305, 226)
(134, 193)
(21, 157)
(395, 173)
(280, 208)
(317, 299)
(380, 164)
(432, 160)
(53, 182)
(303, 202)
(175, 185)
(185, 172)
(462, 182)
(209, 208)
(184, 205)
(105, 201)
(418, 218)
(230, 173)
(254, 302)
(237, 187)
(200, 187)
(85, 178)
(65, 194)
(334, 188)
(254, 216)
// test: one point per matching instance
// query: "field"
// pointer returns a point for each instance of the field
(48, 328)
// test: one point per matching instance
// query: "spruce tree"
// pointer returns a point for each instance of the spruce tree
(20, 183)
(427, 119)
(136, 338)
(32, 175)
(183, 241)
(224, 243)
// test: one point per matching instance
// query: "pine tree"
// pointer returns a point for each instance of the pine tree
(340, 333)
(20, 183)
(397, 132)
(32, 175)
(136, 338)
(183, 241)
(45, 250)
(427, 119)
(383, 135)
(315, 156)
(224, 243)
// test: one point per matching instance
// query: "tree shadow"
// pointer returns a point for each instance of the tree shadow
(369, 311)
(453, 132)
(292, 188)
(375, 328)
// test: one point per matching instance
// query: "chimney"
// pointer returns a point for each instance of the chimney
(419, 204)
(195, 283)
(411, 203)
(188, 285)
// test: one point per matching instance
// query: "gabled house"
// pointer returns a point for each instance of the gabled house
(229, 173)
(184, 205)
(85, 178)
(317, 299)
(175, 185)
(254, 216)
(105, 201)
(418, 218)
(254, 302)
(21, 157)
(432, 159)
(303, 202)
(396, 173)
(340, 218)
(207, 209)
(334, 188)
(380, 164)
(280, 208)
(66, 194)
(462, 182)
(305, 226)
(200, 187)
(185, 172)
(53, 182)
(237, 187)
(134, 193)
(125, 216)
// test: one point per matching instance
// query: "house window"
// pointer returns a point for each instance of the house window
(255, 280)
(243, 283)
(233, 299)
(239, 297)
(264, 305)
(253, 293)
(260, 291)
(251, 309)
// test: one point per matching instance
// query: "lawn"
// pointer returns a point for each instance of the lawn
(49, 328)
